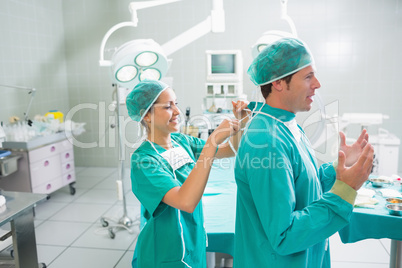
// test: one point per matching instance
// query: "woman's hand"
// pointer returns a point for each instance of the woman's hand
(227, 128)
(353, 152)
(239, 109)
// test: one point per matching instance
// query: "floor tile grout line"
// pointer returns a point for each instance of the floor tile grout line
(127, 250)
(58, 255)
(36, 218)
(386, 250)
(104, 176)
(93, 248)
(64, 221)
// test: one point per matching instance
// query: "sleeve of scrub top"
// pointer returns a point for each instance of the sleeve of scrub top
(327, 176)
(196, 145)
(151, 180)
(289, 230)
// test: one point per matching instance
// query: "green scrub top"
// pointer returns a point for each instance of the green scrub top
(285, 211)
(160, 241)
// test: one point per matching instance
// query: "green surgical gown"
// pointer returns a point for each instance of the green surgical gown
(160, 242)
(287, 206)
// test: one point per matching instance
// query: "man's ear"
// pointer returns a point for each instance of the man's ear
(278, 85)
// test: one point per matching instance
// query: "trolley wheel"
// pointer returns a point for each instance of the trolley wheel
(72, 189)
(104, 222)
(43, 265)
(111, 233)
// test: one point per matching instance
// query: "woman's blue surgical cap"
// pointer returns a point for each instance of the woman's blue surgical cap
(142, 97)
(278, 60)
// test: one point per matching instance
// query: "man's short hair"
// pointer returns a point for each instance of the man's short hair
(267, 89)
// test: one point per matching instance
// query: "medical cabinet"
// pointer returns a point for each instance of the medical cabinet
(45, 165)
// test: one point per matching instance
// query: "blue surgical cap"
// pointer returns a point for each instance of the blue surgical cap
(142, 97)
(278, 60)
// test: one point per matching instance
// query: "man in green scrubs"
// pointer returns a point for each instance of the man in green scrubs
(287, 206)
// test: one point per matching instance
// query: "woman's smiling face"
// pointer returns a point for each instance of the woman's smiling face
(164, 116)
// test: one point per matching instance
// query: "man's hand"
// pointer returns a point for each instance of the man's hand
(358, 173)
(353, 152)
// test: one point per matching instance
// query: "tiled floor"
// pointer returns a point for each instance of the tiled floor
(69, 232)
(68, 228)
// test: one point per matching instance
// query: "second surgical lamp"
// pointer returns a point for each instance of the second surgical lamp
(272, 36)
(142, 59)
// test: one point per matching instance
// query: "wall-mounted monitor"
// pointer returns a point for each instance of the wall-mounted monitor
(224, 66)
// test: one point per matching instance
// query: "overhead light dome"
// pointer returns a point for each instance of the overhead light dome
(268, 38)
(138, 60)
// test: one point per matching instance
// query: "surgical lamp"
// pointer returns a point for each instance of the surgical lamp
(268, 38)
(138, 60)
(272, 36)
(142, 59)
(31, 91)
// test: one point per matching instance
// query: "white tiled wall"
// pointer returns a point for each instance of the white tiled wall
(32, 54)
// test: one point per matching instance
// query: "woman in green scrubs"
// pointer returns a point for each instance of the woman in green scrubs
(169, 172)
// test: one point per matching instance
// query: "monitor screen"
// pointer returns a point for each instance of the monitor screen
(223, 63)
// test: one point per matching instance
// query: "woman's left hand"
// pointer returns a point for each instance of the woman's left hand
(239, 109)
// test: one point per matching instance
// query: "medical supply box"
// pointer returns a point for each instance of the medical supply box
(386, 152)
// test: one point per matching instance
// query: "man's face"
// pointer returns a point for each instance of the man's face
(298, 94)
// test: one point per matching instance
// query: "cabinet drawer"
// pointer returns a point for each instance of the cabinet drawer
(48, 187)
(65, 145)
(67, 156)
(44, 152)
(45, 170)
(68, 177)
(67, 167)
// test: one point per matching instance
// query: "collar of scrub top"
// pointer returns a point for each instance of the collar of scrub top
(280, 114)
(175, 144)
(153, 145)
(285, 117)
